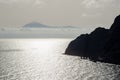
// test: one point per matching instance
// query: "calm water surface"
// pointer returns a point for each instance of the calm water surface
(42, 59)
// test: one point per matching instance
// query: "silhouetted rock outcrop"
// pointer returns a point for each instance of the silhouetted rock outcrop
(112, 47)
(100, 45)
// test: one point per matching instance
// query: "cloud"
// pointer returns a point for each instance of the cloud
(97, 8)
(12, 1)
(36, 3)
(99, 3)
(91, 15)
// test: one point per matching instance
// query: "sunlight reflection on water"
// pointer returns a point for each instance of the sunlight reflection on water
(45, 46)
(42, 59)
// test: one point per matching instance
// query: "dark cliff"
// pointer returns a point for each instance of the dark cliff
(100, 45)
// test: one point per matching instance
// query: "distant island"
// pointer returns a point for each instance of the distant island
(100, 45)
(35, 25)
(39, 25)
(39, 30)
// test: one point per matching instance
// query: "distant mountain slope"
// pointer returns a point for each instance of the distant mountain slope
(100, 45)
(39, 25)
(35, 25)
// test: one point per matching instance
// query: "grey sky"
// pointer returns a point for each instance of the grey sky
(59, 12)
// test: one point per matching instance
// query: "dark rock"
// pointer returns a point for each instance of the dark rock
(112, 47)
(100, 45)
(78, 46)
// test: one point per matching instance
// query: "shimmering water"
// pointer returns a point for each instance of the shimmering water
(42, 59)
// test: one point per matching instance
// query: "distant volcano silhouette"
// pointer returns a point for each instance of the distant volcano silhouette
(100, 45)
(35, 25)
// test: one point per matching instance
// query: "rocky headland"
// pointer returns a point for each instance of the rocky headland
(100, 45)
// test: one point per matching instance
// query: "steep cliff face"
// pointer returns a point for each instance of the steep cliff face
(88, 44)
(78, 46)
(101, 44)
(97, 40)
(112, 47)
(114, 35)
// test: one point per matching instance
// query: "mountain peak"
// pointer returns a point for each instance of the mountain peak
(116, 24)
(34, 25)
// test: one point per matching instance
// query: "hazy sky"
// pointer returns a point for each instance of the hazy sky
(59, 12)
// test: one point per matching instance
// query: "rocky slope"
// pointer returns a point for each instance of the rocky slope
(100, 45)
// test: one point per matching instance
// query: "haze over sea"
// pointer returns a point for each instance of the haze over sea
(43, 59)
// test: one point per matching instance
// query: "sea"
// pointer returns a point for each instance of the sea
(44, 59)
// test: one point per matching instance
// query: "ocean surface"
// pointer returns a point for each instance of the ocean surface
(43, 59)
